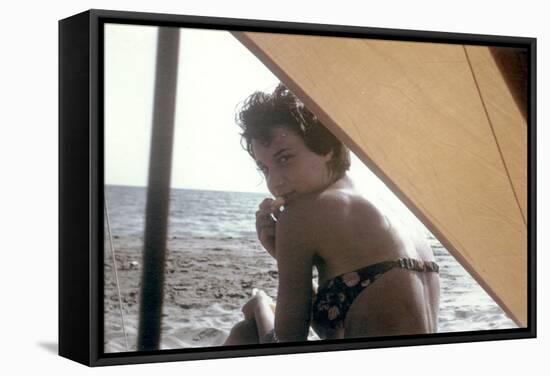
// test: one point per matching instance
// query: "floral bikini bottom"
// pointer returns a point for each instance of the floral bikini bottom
(336, 296)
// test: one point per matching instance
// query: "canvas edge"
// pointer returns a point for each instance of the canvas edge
(74, 220)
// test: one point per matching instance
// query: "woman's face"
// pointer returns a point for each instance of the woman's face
(290, 168)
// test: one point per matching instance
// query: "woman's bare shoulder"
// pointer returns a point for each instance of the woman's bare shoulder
(309, 209)
(294, 223)
(301, 219)
(332, 210)
(348, 205)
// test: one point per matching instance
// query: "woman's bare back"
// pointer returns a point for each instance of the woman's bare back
(351, 233)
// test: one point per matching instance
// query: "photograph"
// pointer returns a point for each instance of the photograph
(275, 188)
(265, 188)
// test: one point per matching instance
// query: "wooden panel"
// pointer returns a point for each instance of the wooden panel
(513, 64)
(509, 125)
(412, 112)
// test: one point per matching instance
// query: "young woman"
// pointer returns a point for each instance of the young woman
(376, 277)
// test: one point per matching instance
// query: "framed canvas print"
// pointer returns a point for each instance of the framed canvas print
(234, 187)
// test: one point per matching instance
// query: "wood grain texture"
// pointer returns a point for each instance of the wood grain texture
(413, 113)
(506, 117)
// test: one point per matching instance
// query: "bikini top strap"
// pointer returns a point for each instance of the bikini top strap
(417, 265)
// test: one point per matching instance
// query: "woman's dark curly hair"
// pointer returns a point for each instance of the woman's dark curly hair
(261, 112)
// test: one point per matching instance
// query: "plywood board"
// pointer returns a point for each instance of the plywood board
(413, 113)
(507, 121)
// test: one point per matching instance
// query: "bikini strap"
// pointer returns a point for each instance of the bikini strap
(417, 265)
(370, 273)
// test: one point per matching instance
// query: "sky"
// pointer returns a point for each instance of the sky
(216, 73)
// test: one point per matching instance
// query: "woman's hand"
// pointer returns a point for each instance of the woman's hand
(266, 216)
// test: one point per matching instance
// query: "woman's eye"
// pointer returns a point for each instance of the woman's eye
(284, 159)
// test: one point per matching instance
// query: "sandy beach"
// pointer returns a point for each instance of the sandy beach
(205, 288)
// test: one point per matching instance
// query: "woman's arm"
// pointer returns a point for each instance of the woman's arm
(294, 263)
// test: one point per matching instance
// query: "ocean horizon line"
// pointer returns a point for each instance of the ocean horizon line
(187, 189)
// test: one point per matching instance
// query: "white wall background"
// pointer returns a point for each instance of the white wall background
(28, 189)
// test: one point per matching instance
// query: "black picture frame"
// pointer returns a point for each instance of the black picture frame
(81, 186)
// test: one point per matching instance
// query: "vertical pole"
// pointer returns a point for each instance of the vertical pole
(158, 189)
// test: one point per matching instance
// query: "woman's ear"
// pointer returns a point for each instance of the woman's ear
(328, 156)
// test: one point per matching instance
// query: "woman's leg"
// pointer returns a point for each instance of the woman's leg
(243, 333)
